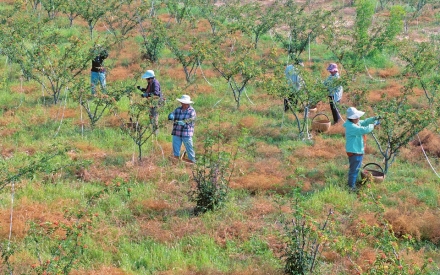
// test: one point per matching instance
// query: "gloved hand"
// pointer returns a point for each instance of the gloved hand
(146, 95)
(181, 123)
(377, 122)
(378, 117)
(171, 116)
(139, 88)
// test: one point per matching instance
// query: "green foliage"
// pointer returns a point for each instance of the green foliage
(102, 101)
(237, 62)
(303, 27)
(306, 97)
(59, 253)
(153, 40)
(388, 248)
(255, 23)
(421, 63)
(216, 15)
(352, 46)
(188, 46)
(46, 161)
(303, 239)
(147, 226)
(124, 18)
(403, 119)
(181, 10)
(211, 175)
(52, 7)
(144, 121)
(93, 11)
(44, 55)
(400, 124)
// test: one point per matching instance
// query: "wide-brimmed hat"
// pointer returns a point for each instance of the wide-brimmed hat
(148, 74)
(332, 67)
(185, 99)
(353, 113)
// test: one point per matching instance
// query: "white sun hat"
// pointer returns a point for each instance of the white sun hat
(185, 99)
(148, 74)
(353, 113)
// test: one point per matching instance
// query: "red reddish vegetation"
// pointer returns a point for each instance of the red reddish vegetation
(103, 270)
(30, 211)
(421, 226)
(429, 141)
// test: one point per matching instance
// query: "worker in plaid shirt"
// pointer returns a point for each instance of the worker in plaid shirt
(183, 127)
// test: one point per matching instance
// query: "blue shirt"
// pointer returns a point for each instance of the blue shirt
(334, 90)
(153, 88)
(293, 78)
(354, 142)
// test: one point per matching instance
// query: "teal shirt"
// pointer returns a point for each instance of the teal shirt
(354, 142)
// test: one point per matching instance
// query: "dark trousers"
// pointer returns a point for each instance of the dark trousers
(291, 101)
(335, 112)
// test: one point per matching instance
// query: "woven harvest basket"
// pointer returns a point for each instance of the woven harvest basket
(374, 175)
(321, 125)
(313, 109)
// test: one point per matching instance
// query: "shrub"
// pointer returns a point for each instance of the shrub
(304, 239)
(211, 175)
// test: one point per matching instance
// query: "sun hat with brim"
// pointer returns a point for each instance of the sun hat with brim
(332, 67)
(148, 74)
(353, 113)
(185, 99)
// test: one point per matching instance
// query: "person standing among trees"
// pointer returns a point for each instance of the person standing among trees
(98, 69)
(295, 81)
(355, 129)
(183, 127)
(152, 90)
(335, 90)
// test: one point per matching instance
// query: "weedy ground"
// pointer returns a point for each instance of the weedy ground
(143, 219)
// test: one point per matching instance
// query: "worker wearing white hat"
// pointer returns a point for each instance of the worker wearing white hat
(153, 91)
(355, 129)
(183, 127)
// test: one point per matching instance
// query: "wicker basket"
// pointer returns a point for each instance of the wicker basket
(374, 175)
(321, 125)
(313, 109)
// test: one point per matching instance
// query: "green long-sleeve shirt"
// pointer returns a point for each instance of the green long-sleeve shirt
(354, 143)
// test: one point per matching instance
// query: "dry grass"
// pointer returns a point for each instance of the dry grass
(159, 217)
(103, 270)
(9, 118)
(322, 149)
(27, 88)
(30, 211)
(122, 73)
(421, 226)
(256, 182)
(267, 174)
(57, 113)
(248, 122)
(270, 152)
(388, 72)
(429, 141)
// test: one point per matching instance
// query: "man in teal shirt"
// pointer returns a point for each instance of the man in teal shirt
(355, 129)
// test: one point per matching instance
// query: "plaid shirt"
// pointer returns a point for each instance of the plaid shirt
(188, 116)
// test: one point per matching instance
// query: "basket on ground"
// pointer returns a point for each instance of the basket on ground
(376, 175)
(322, 124)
